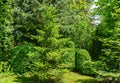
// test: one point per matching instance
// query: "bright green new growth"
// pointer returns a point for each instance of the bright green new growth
(51, 52)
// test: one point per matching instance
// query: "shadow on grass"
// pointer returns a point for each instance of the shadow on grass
(87, 81)
(35, 79)
(32, 79)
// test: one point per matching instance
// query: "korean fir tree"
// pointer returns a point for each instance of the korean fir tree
(37, 23)
(50, 44)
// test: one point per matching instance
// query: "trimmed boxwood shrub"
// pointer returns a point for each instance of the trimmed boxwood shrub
(81, 56)
(84, 65)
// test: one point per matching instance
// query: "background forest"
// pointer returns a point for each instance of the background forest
(44, 39)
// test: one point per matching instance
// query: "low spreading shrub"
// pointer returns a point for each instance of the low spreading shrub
(91, 68)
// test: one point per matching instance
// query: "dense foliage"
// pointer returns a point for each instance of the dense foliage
(46, 37)
(75, 22)
(80, 57)
(5, 34)
(5, 28)
(107, 34)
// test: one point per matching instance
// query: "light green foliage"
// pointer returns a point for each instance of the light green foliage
(37, 23)
(68, 57)
(49, 44)
(4, 66)
(7, 78)
(72, 77)
(69, 77)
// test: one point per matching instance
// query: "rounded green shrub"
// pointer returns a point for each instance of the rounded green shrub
(81, 56)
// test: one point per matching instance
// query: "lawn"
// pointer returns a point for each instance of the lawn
(72, 77)
(7, 78)
(69, 77)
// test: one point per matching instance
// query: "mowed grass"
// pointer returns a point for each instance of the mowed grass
(69, 77)
(7, 78)
(11, 78)
(72, 77)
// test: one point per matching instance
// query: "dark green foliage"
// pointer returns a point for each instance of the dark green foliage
(96, 47)
(74, 22)
(87, 68)
(5, 34)
(26, 19)
(107, 33)
(5, 29)
(84, 65)
(23, 58)
(92, 68)
(108, 77)
(81, 56)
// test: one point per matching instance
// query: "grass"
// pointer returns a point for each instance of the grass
(69, 77)
(7, 78)
(11, 78)
(72, 77)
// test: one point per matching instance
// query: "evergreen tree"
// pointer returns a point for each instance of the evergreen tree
(5, 29)
(75, 22)
(108, 34)
(37, 23)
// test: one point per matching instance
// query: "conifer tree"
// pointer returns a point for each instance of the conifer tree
(75, 22)
(108, 34)
(37, 23)
(5, 29)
